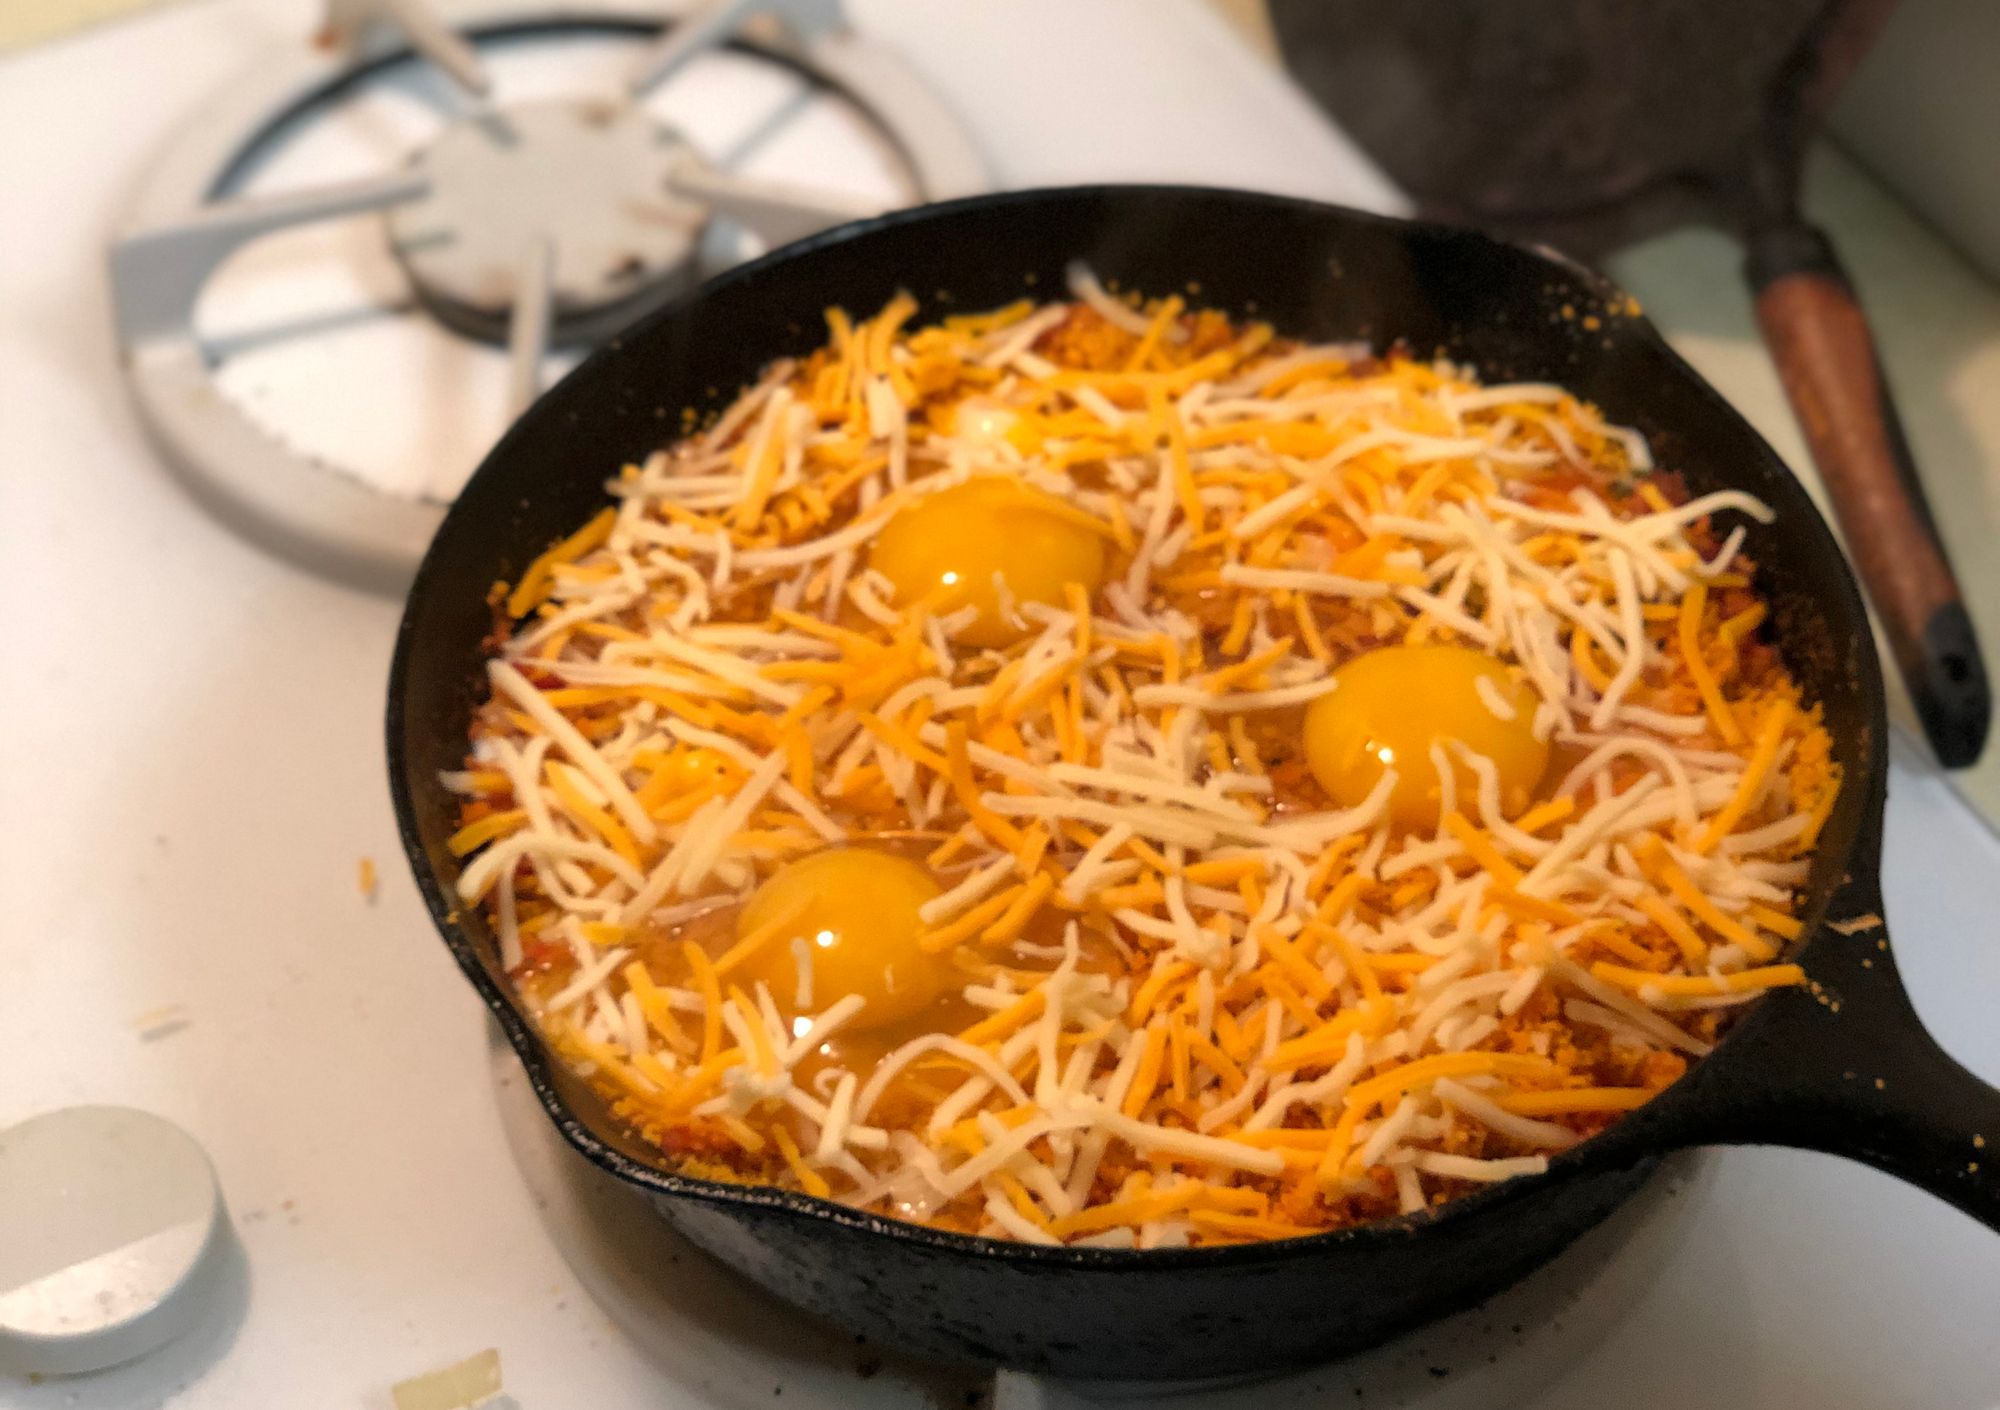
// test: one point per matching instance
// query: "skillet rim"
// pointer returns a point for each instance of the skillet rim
(1641, 1136)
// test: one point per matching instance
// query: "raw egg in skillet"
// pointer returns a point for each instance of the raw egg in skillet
(1392, 704)
(951, 546)
(846, 923)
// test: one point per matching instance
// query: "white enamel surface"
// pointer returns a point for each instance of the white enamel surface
(190, 771)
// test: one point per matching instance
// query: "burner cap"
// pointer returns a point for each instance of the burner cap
(587, 176)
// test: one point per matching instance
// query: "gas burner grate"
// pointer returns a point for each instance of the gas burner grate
(338, 284)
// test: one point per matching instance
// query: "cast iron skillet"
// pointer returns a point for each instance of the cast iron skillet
(1844, 1067)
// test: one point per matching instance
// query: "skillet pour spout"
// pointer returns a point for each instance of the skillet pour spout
(1841, 1066)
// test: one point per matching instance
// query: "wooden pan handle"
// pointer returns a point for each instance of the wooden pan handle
(1826, 357)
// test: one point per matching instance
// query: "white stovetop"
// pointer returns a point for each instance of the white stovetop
(192, 770)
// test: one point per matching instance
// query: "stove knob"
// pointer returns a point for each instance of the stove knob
(114, 1239)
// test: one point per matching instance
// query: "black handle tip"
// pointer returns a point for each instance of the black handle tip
(1949, 688)
(1773, 252)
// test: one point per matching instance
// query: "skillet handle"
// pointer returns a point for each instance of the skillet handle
(1825, 355)
(1850, 1070)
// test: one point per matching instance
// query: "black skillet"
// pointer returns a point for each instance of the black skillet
(1843, 1067)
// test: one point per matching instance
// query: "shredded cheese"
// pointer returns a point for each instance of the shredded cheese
(1190, 998)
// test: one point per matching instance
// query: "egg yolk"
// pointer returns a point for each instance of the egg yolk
(1393, 704)
(689, 769)
(950, 547)
(854, 927)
